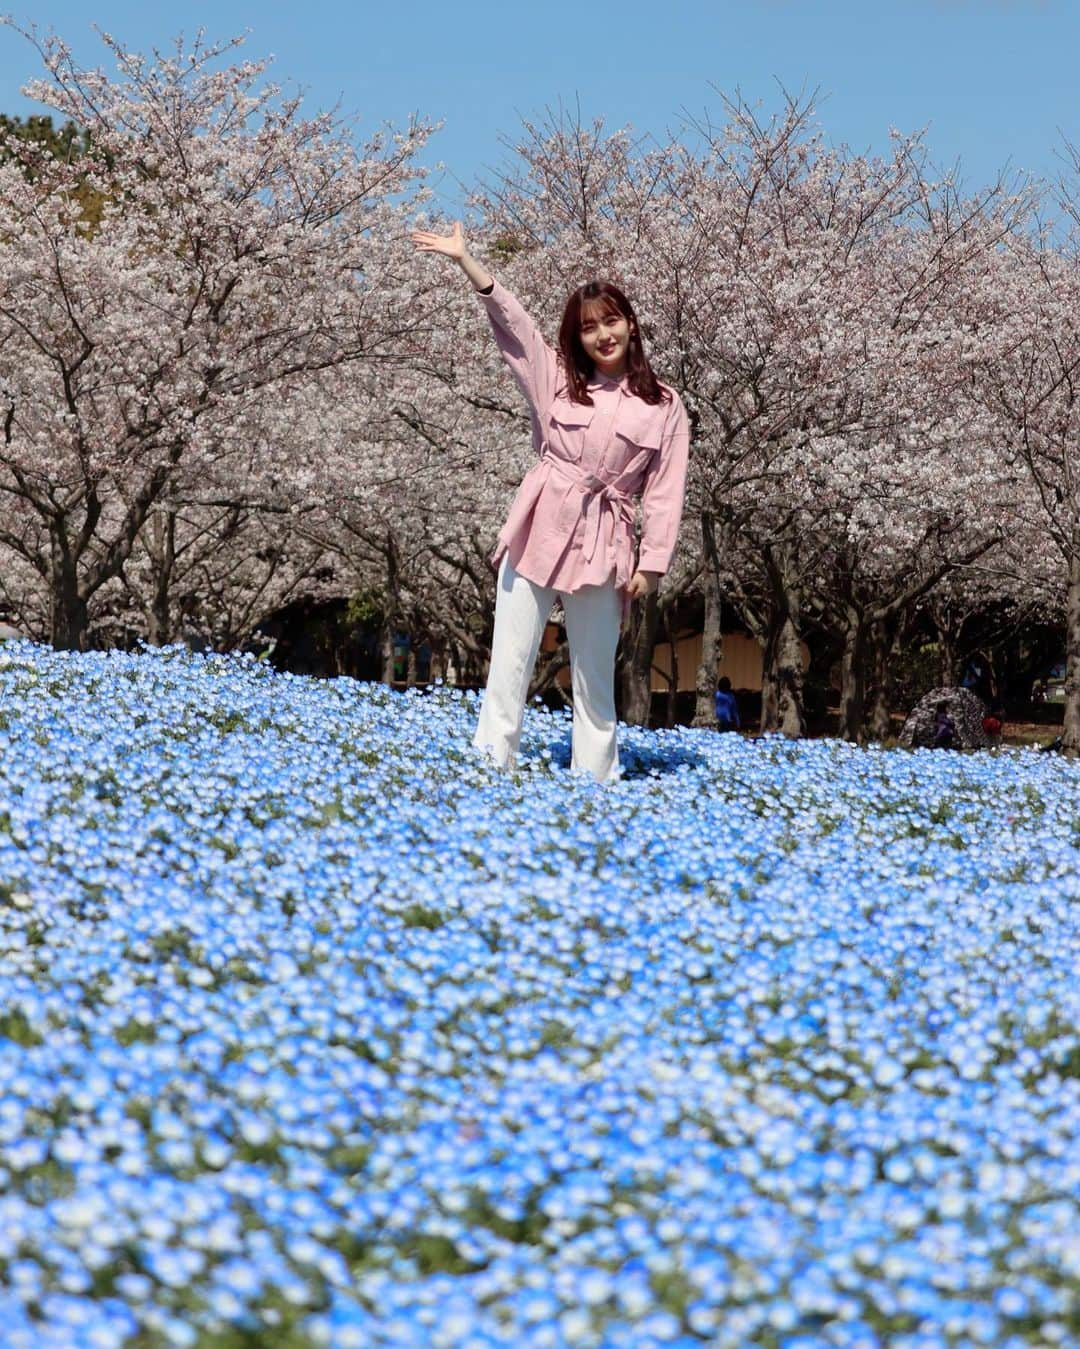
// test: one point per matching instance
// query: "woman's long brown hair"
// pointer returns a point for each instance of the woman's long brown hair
(580, 369)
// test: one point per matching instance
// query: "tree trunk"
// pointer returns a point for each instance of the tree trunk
(635, 664)
(885, 641)
(789, 680)
(712, 640)
(782, 674)
(1071, 741)
(547, 676)
(69, 616)
(390, 612)
(770, 691)
(387, 652)
(161, 545)
(853, 679)
(948, 660)
(70, 620)
(69, 599)
(673, 687)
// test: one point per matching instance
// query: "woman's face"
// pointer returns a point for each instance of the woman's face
(605, 335)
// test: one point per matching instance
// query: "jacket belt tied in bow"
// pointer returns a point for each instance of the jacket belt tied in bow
(584, 493)
(596, 497)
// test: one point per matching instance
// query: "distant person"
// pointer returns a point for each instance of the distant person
(977, 677)
(945, 735)
(727, 709)
(993, 723)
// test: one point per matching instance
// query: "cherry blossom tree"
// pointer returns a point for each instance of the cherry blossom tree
(1029, 378)
(240, 250)
(819, 355)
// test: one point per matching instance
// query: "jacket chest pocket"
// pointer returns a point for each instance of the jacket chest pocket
(635, 439)
(567, 425)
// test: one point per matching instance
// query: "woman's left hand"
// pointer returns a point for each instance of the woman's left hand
(643, 583)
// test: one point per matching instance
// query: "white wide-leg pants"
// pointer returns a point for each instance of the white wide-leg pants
(593, 619)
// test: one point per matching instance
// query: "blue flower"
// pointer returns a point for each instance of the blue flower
(310, 1014)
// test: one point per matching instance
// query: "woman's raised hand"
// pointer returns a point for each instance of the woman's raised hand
(453, 244)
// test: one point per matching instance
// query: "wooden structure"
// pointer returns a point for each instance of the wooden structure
(741, 661)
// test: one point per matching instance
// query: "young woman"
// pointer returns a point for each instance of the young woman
(606, 431)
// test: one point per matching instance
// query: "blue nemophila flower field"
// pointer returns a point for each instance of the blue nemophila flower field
(317, 1029)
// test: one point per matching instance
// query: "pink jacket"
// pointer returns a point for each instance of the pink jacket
(572, 521)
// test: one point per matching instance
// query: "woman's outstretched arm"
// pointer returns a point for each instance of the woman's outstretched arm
(452, 245)
(531, 359)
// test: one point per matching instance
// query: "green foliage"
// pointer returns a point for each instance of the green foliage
(226, 721)
(941, 812)
(174, 944)
(556, 1036)
(365, 608)
(673, 1290)
(36, 143)
(527, 1230)
(505, 247)
(420, 915)
(349, 1160)
(436, 1254)
(46, 1181)
(134, 1032)
(916, 669)
(14, 1026)
(259, 1154)
(66, 142)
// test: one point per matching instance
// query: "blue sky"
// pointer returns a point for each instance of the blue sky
(994, 80)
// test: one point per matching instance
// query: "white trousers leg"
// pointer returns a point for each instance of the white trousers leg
(593, 618)
(521, 612)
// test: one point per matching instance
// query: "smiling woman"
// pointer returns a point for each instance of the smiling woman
(605, 333)
(607, 432)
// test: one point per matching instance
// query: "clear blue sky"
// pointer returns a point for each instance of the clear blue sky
(996, 80)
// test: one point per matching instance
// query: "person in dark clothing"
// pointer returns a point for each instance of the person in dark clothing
(977, 678)
(945, 736)
(727, 709)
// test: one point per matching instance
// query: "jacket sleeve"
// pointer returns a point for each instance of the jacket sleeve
(664, 491)
(531, 359)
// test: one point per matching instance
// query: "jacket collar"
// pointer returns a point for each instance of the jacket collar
(599, 381)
